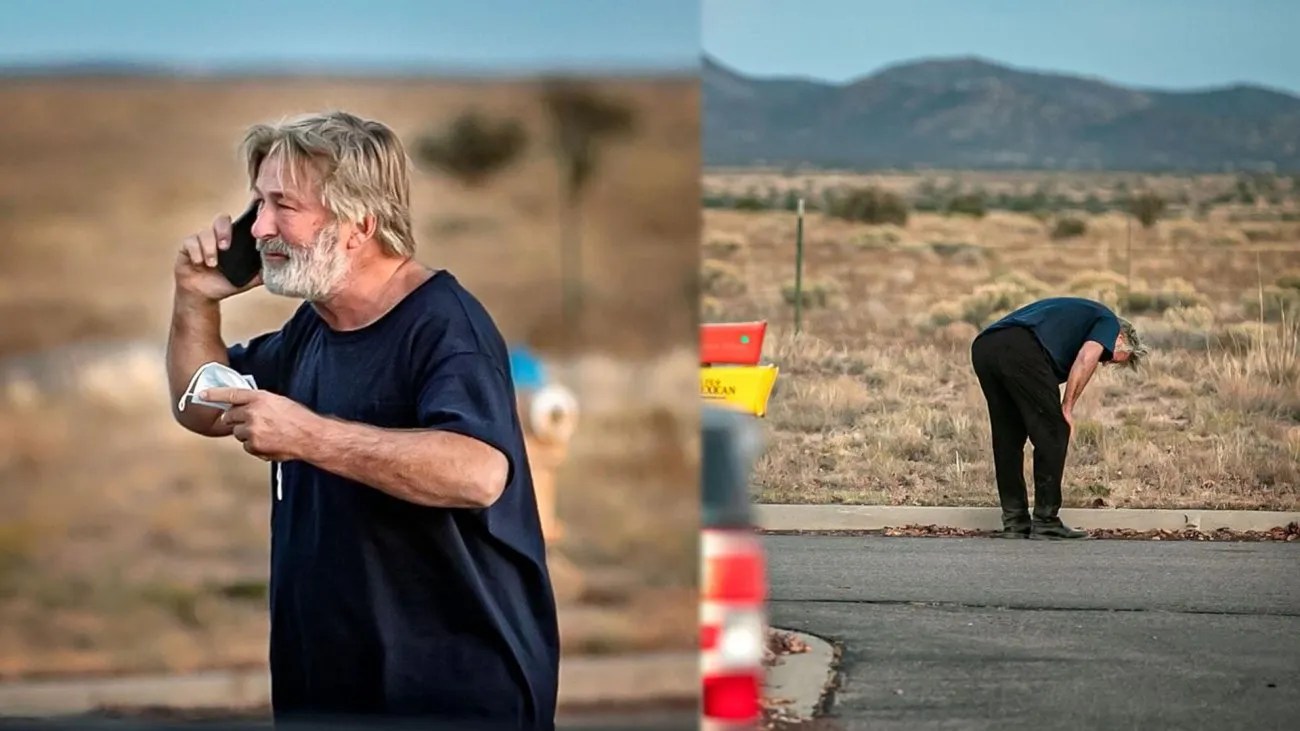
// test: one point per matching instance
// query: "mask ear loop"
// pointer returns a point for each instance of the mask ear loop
(189, 390)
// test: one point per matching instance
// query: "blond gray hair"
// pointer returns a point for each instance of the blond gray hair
(1133, 344)
(360, 165)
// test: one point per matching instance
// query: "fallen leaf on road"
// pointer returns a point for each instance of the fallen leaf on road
(918, 531)
(785, 643)
(1289, 533)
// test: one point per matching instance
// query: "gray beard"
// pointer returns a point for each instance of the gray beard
(312, 273)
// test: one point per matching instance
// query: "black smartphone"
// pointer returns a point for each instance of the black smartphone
(241, 262)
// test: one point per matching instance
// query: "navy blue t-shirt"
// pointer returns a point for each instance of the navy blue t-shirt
(382, 606)
(1062, 325)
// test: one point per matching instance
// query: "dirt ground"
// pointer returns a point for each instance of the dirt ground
(876, 401)
(128, 544)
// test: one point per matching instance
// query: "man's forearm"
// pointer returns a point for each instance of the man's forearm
(427, 467)
(194, 339)
(1080, 374)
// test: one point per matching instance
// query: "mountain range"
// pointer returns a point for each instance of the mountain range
(973, 113)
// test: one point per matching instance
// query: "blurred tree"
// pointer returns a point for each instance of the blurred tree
(582, 119)
(974, 204)
(1146, 207)
(473, 147)
(871, 204)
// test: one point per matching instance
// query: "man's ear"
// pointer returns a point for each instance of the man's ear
(362, 231)
(367, 227)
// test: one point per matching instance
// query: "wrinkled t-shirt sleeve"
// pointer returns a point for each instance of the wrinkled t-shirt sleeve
(467, 393)
(260, 358)
(1105, 331)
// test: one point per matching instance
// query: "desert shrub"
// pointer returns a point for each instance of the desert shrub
(959, 252)
(1032, 286)
(1184, 235)
(1240, 337)
(950, 248)
(711, 309)
(1271, 304)
(816, 293)
(968, 204)
(1289, 280)
(884, 237)
(1226, 240)
(1162, 336)
(1105, 287)
(1069, 227)
(1147, 207)
(720, 279)
(869, 205)
(1094, 281)
(944, 313)
(1185, 328)
(1256, 235)
(1190, 317)
(1090, 435)
(723, 246)
(987, 303)
(789, 201)
(1094, 205)
(1038, 201)
(716, 200)
(991, 301)
(473, 147)
(751, 201)
(1172, 293)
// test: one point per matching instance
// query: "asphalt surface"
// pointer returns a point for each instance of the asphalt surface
(646, 716)
(976, 633)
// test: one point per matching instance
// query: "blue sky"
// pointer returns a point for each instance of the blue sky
(475, 35)
(1177, 44)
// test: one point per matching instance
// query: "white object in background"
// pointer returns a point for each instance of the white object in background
(214, 375)
(553, 413)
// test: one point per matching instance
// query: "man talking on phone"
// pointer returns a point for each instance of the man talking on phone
(408, 573)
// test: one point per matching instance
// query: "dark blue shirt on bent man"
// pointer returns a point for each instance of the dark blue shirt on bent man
(1062, 325)
(379, 606)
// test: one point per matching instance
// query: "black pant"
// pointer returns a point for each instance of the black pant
(1024, 400)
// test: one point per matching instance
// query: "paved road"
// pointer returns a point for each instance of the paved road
(980, 633)
(675, 716)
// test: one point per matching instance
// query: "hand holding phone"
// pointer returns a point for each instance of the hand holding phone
(240, 262)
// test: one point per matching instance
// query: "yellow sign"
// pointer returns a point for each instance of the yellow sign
(747, 388)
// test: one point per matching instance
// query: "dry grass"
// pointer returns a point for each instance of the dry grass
(877, 402)
(128, 544)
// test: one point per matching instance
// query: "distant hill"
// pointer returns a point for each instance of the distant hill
(972, 113)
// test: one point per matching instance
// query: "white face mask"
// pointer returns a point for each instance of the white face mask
(214, 375)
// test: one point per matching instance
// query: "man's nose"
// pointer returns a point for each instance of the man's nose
(264, 224)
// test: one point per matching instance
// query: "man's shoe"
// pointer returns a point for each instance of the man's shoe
(1016, 523)
(1013, 531)
(1057, 532)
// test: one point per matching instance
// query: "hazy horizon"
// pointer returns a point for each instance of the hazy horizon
(1170, 45)
(793, 76)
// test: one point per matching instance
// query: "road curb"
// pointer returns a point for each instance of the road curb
(584, 681)
(803, 679)
(775, 517)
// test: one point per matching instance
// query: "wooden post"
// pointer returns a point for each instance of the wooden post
(798, 271)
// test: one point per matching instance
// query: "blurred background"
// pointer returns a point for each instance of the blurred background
(557, 175)
(958, 160)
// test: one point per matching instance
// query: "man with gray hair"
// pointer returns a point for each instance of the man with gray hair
(408, 571)
(1020, 362)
